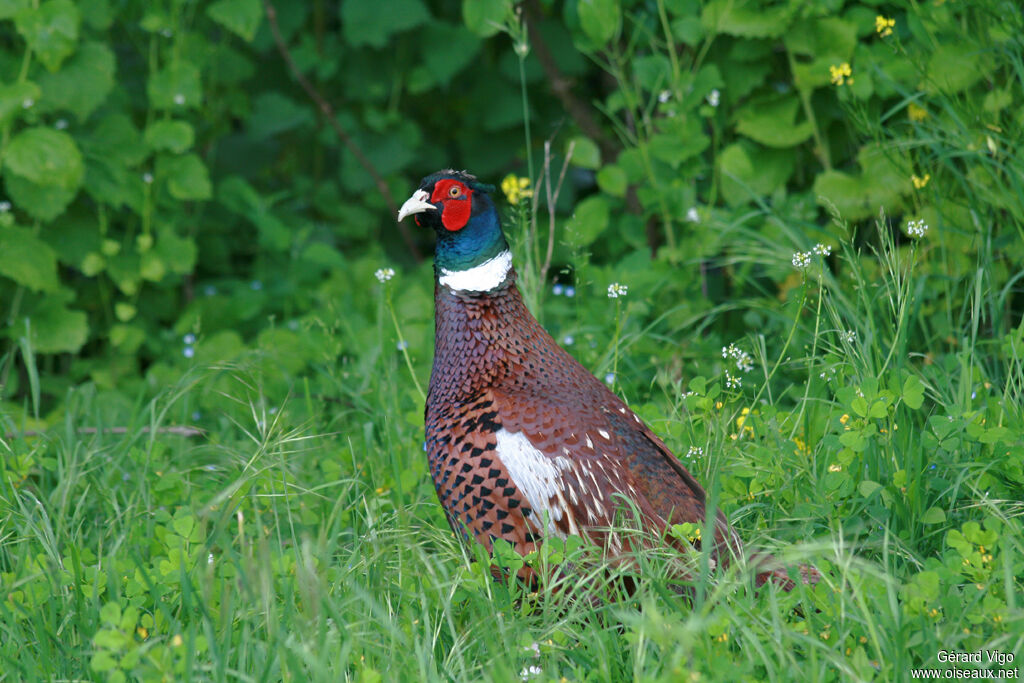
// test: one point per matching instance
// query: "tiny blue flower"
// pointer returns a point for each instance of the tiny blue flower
(196, 415)
(568, 340)
(932, 467)
(190, 338)
(209, 290)
(609, 378)
(256, 285)
(557, 289)
(189, 352)
(402, 345)
(125, 476)
(570, 292)
(424, 446)
(293, 325)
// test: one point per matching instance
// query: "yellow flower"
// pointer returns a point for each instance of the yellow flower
(516, 188)
(842, 74)
(916, 112)
(801, 446)
(177, 640)
(835, 468)
(844, 419)
(920, 182)
(884, 26)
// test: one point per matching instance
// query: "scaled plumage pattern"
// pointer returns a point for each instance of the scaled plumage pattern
(523, 441)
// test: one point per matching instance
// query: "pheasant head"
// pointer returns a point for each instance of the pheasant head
(471, 253)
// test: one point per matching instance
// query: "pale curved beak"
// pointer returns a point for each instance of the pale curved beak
(417, 203)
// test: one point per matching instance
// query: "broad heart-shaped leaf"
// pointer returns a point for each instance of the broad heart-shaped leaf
(461, 48)
(176, 86)
(27, 260)
(747, 19)
(680, 139)
(485, 17)
(749, 171)
(772, 121)
(241, 17)
(43, 170)
(169, 135)
(880, 184)
(53, 327)
(588, 221)
(13, 98)
(599, 19)
(823, 41)
(45, 156)
(51, 30)
(955, 66)
(186, 176)
(82, 84)
(372, 23)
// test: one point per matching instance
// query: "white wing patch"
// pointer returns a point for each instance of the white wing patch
(537, 476)
(482, 278)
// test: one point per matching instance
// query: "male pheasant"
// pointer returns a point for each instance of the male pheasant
(523, 441)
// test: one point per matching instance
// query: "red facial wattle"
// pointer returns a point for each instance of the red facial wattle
(456, 201)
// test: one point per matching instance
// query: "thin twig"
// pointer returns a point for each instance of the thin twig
(177, 430)
(328, 111)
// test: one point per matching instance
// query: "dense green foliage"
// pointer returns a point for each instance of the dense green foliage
(818, 211)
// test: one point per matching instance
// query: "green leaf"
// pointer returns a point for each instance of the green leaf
(241, 17)
(186, 177)
(867, 487)
(27, 260)
(43, 170)
(102, 661)
(175, 87)
(461, 48)
(749, 171)
(913, 392)
(612, 180)
(13, 98)
(170, 135)
(933, 515)
(82, 84)
(54, 328)
(45, 156)
(110, 613)
(585, 153)
(372, 23)
(955, 66)
(746, 19)
(10, 8)
(485, 17)
(860, 406)
(772, 121)
(588, 221)
(599, 19)
(878, 410)
(51, 30)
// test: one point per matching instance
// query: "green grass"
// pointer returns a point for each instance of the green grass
(300, 537)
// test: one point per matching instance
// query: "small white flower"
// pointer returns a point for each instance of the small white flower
(189, 338)
(714, 97)
(402, 345)
(615, 290)
(688, 394)
(189, 352)
(179, 99)
(534, 648)
(209, 559)
(692, 215)
(849, 336)
(557, 290)
(822, 249)
(733, 382)
(801, 259)
(609, 378)
(384, 274)
(744, 361)
(917, 228)
(664, 96)
(147, 178)
(293, 325)
(568, 340)
(695, 452)
(61, 124)
(5, 207)
(27, 103)
(529, 672)
(570, 291)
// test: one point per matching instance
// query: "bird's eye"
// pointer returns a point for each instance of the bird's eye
(455, 191)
